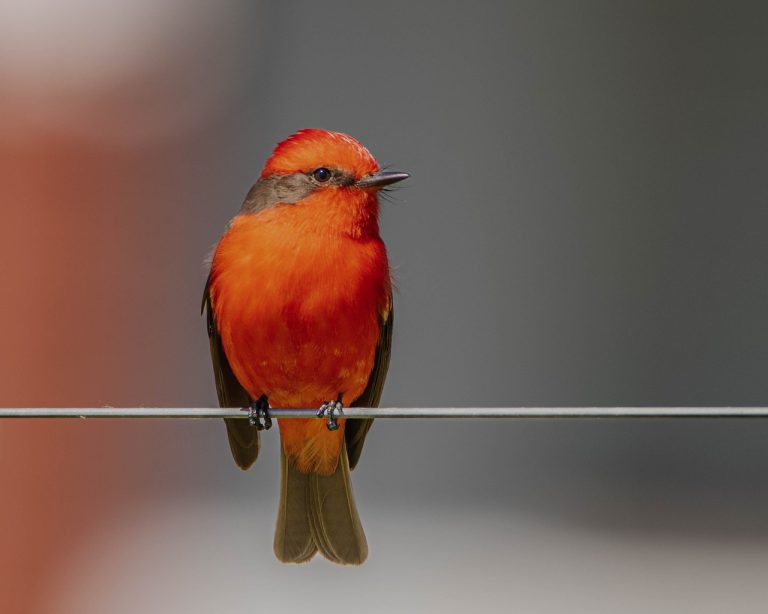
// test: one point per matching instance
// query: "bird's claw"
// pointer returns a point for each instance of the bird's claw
(331, 410)
(258, 414)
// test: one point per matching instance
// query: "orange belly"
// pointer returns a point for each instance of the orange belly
(299, 321)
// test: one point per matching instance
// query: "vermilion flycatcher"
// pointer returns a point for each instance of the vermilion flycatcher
(299, 307)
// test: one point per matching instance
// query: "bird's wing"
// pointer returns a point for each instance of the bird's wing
(357, 429)
(243, 438)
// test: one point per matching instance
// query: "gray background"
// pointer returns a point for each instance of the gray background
(585, 225)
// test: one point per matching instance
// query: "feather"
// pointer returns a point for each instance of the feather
(243, 438)
(293, 537)
(356, 430)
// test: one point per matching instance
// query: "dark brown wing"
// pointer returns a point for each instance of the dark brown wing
(243, 438)
(356, 430)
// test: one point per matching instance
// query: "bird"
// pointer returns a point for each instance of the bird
(300, 314)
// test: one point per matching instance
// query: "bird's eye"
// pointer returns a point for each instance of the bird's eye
(321, 174)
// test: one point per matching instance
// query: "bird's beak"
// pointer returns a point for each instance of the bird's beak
(381, 179)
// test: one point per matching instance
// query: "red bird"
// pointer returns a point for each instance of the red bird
(299, 305)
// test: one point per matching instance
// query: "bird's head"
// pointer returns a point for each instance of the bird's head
(329, 175)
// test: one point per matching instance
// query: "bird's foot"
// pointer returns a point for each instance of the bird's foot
(258, 414)
(331, 410)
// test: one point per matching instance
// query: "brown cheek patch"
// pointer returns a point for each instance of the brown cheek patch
(277, 189)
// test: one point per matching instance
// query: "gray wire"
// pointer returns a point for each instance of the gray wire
(394, 412)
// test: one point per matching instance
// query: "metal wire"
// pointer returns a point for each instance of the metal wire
(394, 412)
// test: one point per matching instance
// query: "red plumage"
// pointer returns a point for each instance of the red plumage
(299, 291)
(300, 312)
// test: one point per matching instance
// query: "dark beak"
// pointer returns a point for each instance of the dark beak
(381, 179)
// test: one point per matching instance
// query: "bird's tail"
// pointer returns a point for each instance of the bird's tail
(318, 512)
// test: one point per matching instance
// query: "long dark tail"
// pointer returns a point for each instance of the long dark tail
(318, 512)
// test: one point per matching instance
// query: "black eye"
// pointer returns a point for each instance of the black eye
(321, 174)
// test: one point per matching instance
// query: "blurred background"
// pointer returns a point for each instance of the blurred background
(585, 225)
